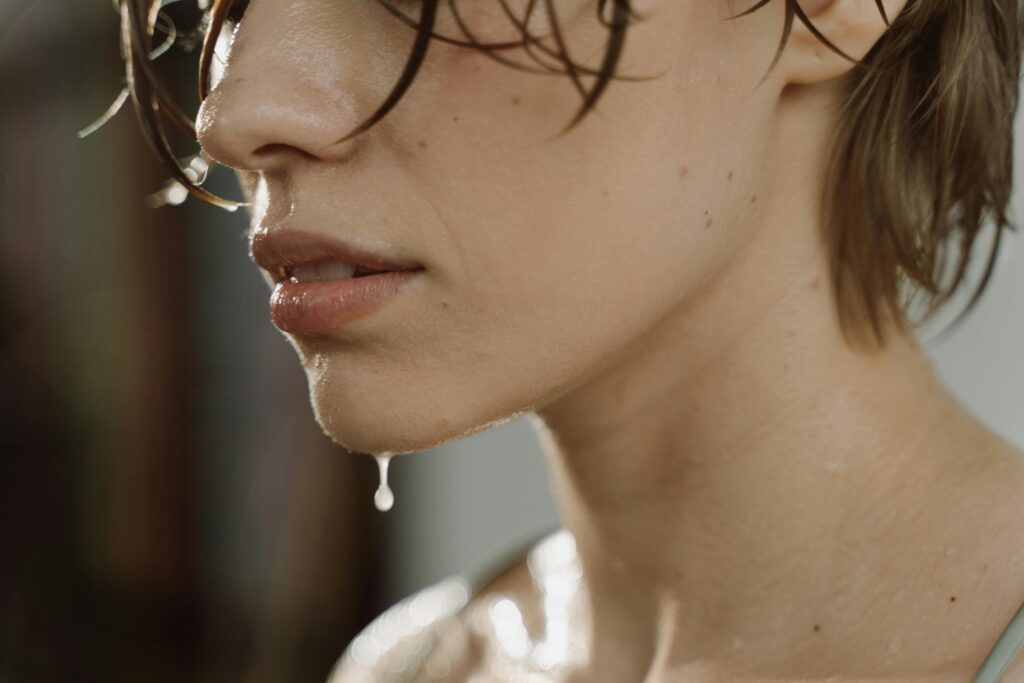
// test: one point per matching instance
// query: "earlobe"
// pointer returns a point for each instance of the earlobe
(852, 26)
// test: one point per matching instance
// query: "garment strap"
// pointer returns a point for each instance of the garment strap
(1003, 652)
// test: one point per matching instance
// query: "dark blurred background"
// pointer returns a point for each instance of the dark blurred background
(169, 510)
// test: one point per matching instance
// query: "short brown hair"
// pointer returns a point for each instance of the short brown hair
(922, 153)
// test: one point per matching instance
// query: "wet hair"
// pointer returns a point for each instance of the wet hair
(921, 158)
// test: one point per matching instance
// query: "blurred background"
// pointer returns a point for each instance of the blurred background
(169, 510)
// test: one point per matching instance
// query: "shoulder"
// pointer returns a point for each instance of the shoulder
(416, 639)
(448, 631)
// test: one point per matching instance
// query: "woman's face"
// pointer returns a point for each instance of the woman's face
(544, 257)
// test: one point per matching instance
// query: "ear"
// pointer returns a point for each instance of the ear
(853, 26)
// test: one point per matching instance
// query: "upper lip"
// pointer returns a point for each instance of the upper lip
(279, 249)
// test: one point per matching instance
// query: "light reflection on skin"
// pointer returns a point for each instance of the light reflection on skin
(426, 635)
(398, 642)
(510, 632)
(556, 571)
(556, 576)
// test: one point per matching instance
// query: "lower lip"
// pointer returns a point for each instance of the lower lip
(317, 308)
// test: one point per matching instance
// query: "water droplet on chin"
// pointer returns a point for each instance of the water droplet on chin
(383, 498)
(175, 193)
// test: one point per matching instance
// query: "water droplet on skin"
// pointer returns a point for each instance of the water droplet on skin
(383, 498)
(894, 647)
(175, 194)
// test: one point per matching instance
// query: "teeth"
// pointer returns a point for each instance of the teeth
(316, 272)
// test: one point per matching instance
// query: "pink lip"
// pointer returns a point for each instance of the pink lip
(317, 308)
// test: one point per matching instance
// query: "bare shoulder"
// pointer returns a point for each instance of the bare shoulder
(448, 634)
(421, 638)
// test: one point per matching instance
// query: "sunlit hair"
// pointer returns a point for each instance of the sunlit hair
(921, 158)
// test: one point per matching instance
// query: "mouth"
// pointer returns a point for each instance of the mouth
(322, 284)
(324, 270)
(306, 256)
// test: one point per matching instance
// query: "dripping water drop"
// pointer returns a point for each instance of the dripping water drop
(383, 498)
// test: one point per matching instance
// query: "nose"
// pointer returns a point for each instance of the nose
(282, 93)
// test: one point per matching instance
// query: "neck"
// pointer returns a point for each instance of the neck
(731, 480)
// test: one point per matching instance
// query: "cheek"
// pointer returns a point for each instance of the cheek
(628, 210)
(551, 253)
(554, 252)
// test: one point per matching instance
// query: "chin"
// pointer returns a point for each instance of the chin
(394, 419)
